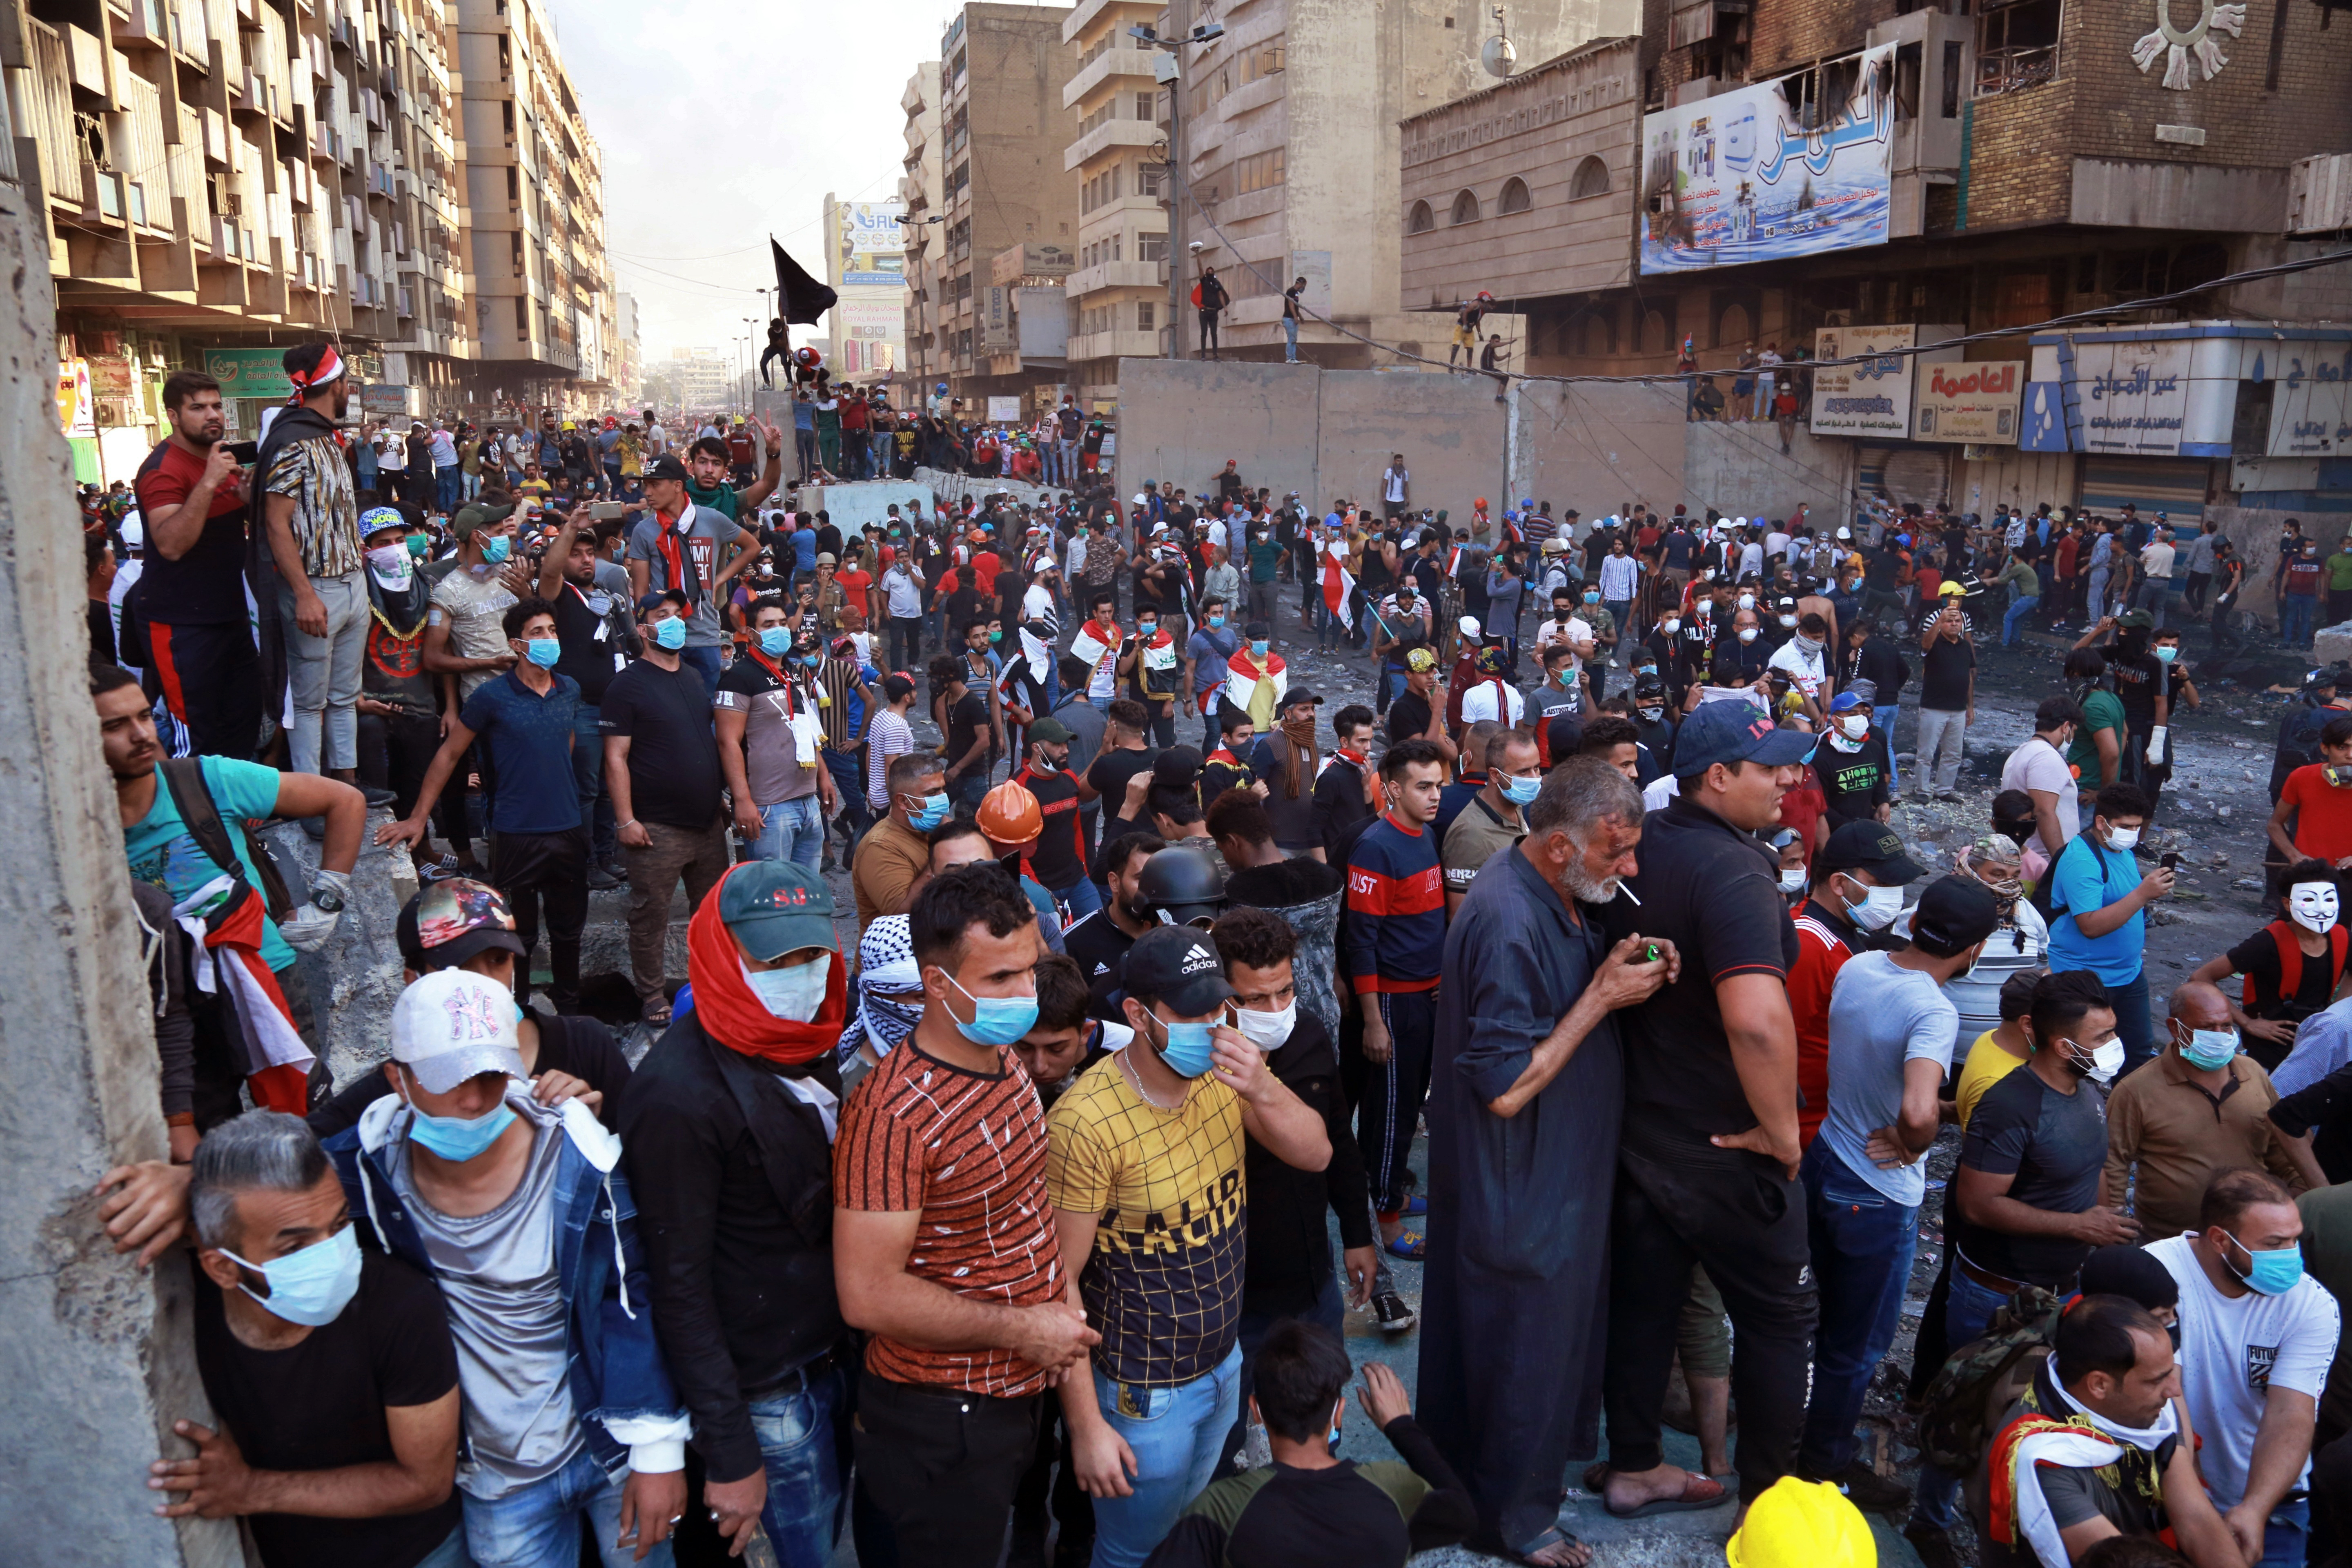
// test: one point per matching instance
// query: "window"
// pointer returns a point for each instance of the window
(1590, 179)
(1260, 171)
(522, 314)
(2017, 45)
(1148, 178)
(1515, 197)
(1145, 316)
(1146, 105)
(1421, 220)
(1263, 60)
(1152, 247)
(1465, 207)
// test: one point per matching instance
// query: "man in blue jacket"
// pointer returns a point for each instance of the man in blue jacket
(519, 1212)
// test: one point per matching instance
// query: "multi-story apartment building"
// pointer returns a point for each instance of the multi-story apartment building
(1286, 128)
(1846, 177)
(220, 178)
(922, 190)
(1003, 130)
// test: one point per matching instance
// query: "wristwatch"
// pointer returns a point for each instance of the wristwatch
(328, 899)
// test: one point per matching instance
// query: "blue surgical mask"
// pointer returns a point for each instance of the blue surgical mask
(545, 651)
(2209, 1049)
(314, 1286)
(2167, 654)
(1592, 596)
(1216, 620)
(996, 1020)
(459, 1138)
(497, 547)
(812, 659)
(776, 641)
(1258, 647)
(934, 812)
(1186, 1048)
(1518, 790)
(2273, 1273)
(670, 634)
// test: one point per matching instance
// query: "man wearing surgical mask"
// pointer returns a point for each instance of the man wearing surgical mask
(1288, 1272)
(2100, 900)
(1858, 877)
(2291, 967)
(463, 1174)
(2200, 1108)
(1854, 763)
(329, 1371)
(1490, 822)
(1145, 1175)
(896, 850)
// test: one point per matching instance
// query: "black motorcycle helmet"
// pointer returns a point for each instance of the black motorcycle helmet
(1182, 884)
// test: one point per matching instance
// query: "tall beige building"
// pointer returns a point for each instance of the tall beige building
(222, 178)
(1286, 127)
(922, 187)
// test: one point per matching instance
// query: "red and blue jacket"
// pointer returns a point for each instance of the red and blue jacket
(1395, 928)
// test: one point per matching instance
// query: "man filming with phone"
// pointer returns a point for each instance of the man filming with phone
(194, 499)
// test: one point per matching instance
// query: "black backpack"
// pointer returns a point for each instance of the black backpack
(184, 777)
(1963, 1406)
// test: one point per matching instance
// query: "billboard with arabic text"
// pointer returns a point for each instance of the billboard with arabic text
(1742, 178)
(1974, 402)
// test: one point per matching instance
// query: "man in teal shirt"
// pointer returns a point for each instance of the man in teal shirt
(2099, 898)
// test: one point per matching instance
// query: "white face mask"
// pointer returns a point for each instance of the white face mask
(2124, 839)
(1788, 620)
(1747, 601)
(1853, 725)
(1792, 880)
(1266, 1030)
(2106, 1059)
(1747, 634)
(392, 564)
(1671, 625)
(2313, 906)
(1876, 909)
(794, 994)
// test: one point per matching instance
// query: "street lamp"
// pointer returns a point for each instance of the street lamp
(1165, 72)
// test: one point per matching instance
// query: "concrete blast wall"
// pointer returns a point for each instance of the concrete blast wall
(1327, 435)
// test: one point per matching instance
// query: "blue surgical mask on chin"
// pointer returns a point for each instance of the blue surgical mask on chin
(310, 1287)
(996, 1020)
(1520, 792)
(458, 1138)
(776, 641)
(2273, 1273)
(669, 636)
(1185, 1047)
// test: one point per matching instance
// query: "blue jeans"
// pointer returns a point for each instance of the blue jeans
(2133, 1026)
(1862, 1246)
(966, 789)
(2018, 608)
(2294, 619)
(1082, 898)
(705, 659)
(1883, 716)
(1290, 339)
(804, 1444)
(2286, 1536)
(1967, 1308)
(1622, 609)
(1330, 630)
(445, 488)
(588, 778)
(1176, 1434)
(792, 830)
(539, 1525)
(450, 1553)
(804, 451)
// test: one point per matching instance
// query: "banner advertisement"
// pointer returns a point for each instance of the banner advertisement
(2135, 395)
(249, 373)
(1740, 177)
(76, 406)
(1872, 398)
(2311, 406)
(1005, 410)
(1976, 402)
(867, 334)
(868, 244)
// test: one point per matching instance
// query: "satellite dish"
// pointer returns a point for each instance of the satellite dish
(1497, 54)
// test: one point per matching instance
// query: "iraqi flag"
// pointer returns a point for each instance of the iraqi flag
(1339, 583)
(276, 1062)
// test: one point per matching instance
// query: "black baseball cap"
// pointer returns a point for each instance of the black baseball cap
(1177, 965)
(667, 467)
(450, 921)
(1178, 767)
(1953, 915)
(1735, 731)
(1869, 846)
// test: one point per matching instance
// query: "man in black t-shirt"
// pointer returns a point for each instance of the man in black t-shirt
(1418, 713)
(1947, 693)
(592, 623)
(337, 1395)
(966, 714)
(661, 761)
(1707, 1156)
(1123, 755)
(194, 503)
(1059, 861)
(1099, 942)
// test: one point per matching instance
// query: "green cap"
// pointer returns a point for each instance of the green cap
(477, 516)
(2135, 618)
(774, 907)
(1050, 730)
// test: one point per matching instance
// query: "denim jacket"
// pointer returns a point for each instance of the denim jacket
(620, 1387)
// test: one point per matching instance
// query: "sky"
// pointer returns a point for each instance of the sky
(723, 123)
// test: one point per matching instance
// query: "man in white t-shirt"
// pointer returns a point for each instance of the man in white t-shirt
(2040, 768)
(1491, 697)
(1395, 484)
(1804, 659)
(2257, 1336)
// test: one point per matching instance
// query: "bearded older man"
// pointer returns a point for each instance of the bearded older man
(1527, 1082)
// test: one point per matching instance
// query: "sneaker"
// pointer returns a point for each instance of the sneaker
(378, 798)
(1933, 1545)
(1395, 1317)
(602, 880)
(1868, 1490)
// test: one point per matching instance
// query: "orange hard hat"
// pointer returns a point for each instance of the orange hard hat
(1009, 815)
(1481, 503)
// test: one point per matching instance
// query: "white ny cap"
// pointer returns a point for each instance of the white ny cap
(453, 1024)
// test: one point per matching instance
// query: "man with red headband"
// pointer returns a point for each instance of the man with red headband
(727, 1131)
(310, 510)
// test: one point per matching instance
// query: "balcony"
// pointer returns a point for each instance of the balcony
(1104, 137)
(1112, 62)
(1087, 13)
(1129, 344)
(1116, 275)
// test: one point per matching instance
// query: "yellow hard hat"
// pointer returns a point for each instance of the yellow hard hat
(1802, 1524)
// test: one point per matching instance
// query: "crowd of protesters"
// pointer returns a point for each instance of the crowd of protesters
(1005, 1209)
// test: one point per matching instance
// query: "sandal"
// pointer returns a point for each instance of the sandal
(1410, 1246)
(656, 1015)
(1716, 1495)
(1552, 1536)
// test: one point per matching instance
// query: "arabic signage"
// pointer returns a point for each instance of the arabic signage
(1737, 177)
(1031, 260)
(76, 408)
(868, 246)
(2135, 395)
(249, 373)
(2310, 407)
(1975, 402)
(867, 335)
(1872, 398)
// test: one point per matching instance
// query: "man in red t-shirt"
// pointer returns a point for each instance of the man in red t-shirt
(2321, 807)
(191, 593)
(1858, 882)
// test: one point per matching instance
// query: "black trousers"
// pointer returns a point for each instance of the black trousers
(394, 753)
(937, 1471)
(1393, 1090)
(1071, 1506)
(1209, 343)
(530, 868)
(210, 677)
(1682, 1201)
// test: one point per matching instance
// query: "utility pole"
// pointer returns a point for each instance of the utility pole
(1167, 72)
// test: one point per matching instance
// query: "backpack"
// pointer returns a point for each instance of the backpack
(1979, 1382)
(192, 798)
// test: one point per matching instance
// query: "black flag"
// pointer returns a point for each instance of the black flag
(799, 296)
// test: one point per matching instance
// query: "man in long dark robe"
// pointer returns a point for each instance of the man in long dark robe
(1524, 1102)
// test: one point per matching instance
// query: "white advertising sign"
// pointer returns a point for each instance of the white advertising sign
(2311, 409)
(2135, 395)
(1872, 398)
(1968, 402)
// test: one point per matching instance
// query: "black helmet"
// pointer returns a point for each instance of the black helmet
(1183, 884)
